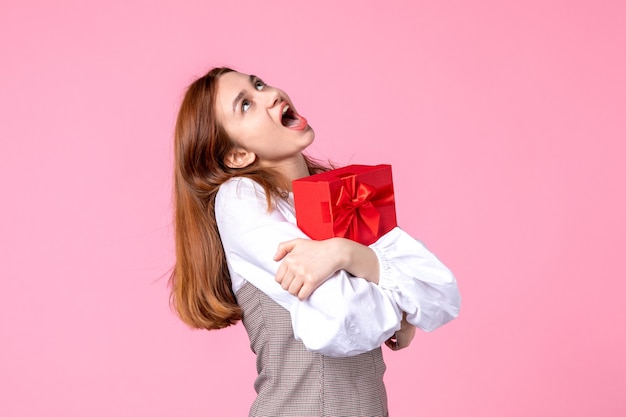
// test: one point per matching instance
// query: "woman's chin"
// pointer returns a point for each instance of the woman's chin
(310, 135)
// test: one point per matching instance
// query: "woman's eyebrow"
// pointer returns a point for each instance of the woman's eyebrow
(237, 99)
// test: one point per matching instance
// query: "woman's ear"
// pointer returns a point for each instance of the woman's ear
(239, 158)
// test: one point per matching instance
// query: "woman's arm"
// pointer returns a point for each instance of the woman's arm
(403, 337)
(343, 317)
(419, 283)
(301, 272)
(306, 263)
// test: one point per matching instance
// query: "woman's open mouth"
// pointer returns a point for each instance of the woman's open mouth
(292, 120)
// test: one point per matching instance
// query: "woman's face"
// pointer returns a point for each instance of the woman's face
(261, 120)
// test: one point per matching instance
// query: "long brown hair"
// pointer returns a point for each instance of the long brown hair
(200, 284)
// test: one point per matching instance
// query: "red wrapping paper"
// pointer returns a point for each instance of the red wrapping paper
(355, 202)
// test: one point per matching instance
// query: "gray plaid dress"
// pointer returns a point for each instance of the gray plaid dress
(294, 382)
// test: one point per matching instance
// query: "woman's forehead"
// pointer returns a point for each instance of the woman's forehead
(229, 86)
(232, 81)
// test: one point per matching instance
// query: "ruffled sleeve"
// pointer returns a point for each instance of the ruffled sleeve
(420, 284)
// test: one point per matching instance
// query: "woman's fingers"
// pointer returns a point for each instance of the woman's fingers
(285, 278)
(284, 248)
(392, 342)
(288, 280)
(280, 273)
(306, 264)
(293, 284)
(305, 291)
(403, 337)
(294, 287)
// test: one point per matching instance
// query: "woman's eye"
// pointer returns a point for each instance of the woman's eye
(259, 85)
(245, 105)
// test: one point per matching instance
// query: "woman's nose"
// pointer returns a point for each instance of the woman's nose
(272, 97)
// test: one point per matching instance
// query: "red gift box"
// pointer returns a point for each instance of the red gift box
(355, 202)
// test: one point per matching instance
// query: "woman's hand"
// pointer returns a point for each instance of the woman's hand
(403, 337)
(306, 264)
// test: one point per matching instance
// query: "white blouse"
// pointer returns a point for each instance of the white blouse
(345, 315)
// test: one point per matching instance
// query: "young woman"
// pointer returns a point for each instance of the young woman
(316, 312)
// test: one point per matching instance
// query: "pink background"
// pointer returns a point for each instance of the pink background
(505, 126)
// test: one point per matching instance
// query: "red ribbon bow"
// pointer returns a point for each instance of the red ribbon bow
(355, 207)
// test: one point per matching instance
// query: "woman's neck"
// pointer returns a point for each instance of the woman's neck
(293, 169)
